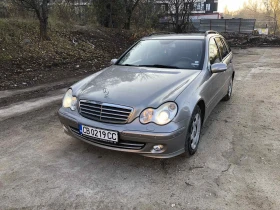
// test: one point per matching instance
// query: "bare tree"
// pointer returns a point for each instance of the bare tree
(145, 15)
(252, 7)
(273, 11)
(130, 6)
(180, 12)
(115, 12)
(40, 8)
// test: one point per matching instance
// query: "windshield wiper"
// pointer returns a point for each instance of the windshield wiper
(155, 66)
(160, 66)
(126, 65)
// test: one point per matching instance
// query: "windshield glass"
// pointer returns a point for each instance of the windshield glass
(180, 54)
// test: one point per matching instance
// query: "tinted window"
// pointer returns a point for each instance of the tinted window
(214, 55)
(227, 46)
(222, 48)
(183, 54)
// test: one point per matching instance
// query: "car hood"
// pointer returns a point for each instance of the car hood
(135, 86)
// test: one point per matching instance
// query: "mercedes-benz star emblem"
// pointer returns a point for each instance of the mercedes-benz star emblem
(106, 92)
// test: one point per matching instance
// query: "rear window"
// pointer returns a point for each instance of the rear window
(182, 54)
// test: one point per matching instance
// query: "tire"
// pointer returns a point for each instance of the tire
(227, 97)
(194, 131)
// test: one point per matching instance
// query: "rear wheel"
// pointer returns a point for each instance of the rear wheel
(194, 130)
(229, 92)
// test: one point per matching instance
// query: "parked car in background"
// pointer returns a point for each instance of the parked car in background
(155, 98)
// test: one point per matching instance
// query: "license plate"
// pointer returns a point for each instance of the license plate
(104, 135)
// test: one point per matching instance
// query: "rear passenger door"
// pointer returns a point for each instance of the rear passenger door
(229, 57)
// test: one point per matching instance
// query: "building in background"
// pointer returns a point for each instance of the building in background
(201, 9)
(205, 9)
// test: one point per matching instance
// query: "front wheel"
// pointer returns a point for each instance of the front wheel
(194, 130)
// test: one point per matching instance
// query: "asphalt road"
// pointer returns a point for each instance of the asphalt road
(237, 165)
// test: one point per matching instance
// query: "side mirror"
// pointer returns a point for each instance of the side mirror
(113, 61)
(218, 67)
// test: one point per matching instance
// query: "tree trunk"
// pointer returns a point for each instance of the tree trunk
(188, 22)
(130, 7)
(111, 18)
(128, 20)
(275, 24)
(44, 30)
(43, 18)
(177, 27)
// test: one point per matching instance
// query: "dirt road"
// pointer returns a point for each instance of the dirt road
(237, 165)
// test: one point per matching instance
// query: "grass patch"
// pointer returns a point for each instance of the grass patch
(73, 50)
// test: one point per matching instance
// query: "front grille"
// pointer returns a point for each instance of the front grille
(104, 112)
(121, 144)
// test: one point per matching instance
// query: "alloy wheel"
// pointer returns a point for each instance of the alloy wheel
(195, 131)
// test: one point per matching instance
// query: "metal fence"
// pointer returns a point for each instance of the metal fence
(225, 25)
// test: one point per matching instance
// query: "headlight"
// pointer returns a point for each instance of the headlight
(69, 101)
(161, 116)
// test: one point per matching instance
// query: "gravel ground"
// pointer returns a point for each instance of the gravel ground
(236, 167)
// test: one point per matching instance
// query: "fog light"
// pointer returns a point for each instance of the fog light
(158, 148)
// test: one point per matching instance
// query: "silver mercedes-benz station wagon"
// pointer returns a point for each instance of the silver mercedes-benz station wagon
(154, 99)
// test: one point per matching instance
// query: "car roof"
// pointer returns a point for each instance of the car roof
(197, 36)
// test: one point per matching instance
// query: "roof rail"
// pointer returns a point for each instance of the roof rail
(161, 32)
(211, 32)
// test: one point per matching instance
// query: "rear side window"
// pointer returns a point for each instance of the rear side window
(222, 48)
(227, 46)
(214, 55)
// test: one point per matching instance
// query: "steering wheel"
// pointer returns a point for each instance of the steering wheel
(185, 58)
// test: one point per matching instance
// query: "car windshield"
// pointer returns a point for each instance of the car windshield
(177, 54)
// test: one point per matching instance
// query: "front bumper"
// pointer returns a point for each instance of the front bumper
(133, 137)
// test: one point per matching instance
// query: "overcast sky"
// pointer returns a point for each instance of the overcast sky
(232, 4)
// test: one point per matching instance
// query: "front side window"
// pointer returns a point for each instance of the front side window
(179, 54)
(214, 55)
